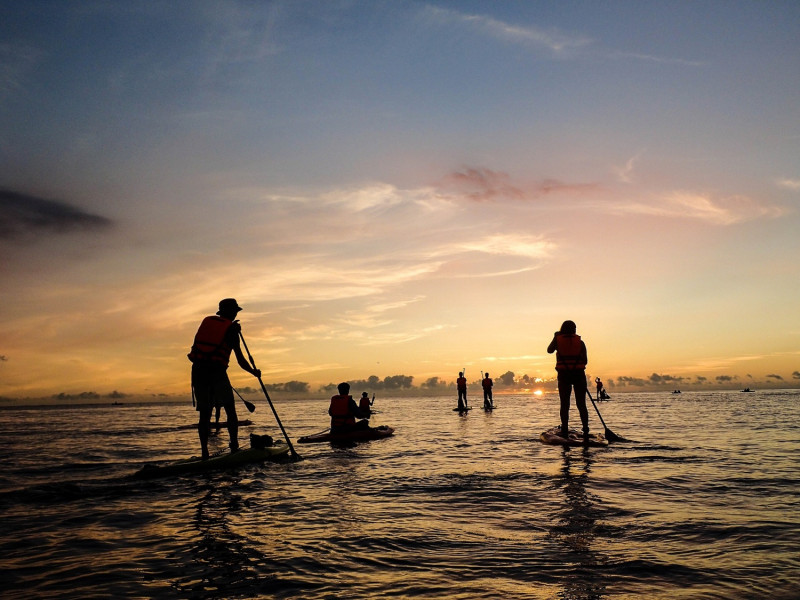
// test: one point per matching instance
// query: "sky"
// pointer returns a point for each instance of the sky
(399, 187)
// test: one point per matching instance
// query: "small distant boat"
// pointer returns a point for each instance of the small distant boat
(676, 391)
(748, 390)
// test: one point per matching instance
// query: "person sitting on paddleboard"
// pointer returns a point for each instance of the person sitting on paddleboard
(487, 384)
(364, 403)
(344, 411)
(571, 362)
(216, 337)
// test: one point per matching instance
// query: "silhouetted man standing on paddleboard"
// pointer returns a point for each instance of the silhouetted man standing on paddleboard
(571, 362)
(487, 384)
(461, 385)
(216, 337)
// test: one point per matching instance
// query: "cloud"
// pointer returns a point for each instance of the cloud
(25, 214)
(512, 245)
(553, 40)
(15, 61)
(775, 376)
(725, 378)
(625, 173)
(702, 207)
(481, 184)
(796, 375)
(789, 184)
(656, 378)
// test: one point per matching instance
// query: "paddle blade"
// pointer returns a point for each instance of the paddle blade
(613, 437)
(250, 406)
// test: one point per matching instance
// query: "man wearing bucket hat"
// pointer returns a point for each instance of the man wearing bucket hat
(216, 337)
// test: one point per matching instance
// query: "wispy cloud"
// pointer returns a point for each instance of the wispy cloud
(624, 173)
(16, 59)
(703, 207)
(553, 40)
(789, 184)
(23, 214)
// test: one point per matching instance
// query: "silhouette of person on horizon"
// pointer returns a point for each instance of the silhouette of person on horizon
(216, 337)
(571, 359)
(601, 390)
(487, 384)
(344, 411)
(461, 385)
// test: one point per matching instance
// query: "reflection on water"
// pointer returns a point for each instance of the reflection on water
(576, 528)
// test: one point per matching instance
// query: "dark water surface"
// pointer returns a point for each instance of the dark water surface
(704, 504)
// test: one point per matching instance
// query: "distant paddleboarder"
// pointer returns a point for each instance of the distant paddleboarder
(571, 362)
(601, 390)
(461, 385)
(216, 337)
(365, 404)
(487, 384)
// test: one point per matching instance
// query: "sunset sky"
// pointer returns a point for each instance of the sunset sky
(399, 187)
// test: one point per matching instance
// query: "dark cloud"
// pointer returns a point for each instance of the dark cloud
(656, 378)
(774, 376)
(484, 185)
(724, 378)
(701, 379)
(796, 375)
(635, 381)
(25, 214)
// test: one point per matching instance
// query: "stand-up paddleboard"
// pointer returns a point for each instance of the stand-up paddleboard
(213, 424)
(224, 460)
(462, 410)
(355, 435)
(575, 438)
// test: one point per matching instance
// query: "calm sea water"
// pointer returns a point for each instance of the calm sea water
(703, 504)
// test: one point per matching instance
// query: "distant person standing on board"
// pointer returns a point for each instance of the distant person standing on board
(364, 404)
(487, 384)
(216, 337)
(344, 411)
(571, 362)
(601, 391)
(461, 385)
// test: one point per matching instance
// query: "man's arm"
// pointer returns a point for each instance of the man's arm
(553, 345)
(233, 341)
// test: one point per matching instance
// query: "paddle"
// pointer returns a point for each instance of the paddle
(466, 404)
(250, 406)
(264, 389)
(610, 435)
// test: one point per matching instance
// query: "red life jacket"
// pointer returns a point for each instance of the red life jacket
(487, 383)
(340, 412)
(209, 342)
(461, 383)
(363, 404)
(569, 352)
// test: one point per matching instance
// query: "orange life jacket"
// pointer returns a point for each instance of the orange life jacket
(569, 352)
(487, 383)
(209, 342)
(461, 383)
(340, 411)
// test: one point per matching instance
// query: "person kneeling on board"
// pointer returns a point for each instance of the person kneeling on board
(216, 337)
(571, 362)
(344, 411)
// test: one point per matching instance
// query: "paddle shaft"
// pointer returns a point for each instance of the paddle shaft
(250, 406)
(269, 400)
(610, 435)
